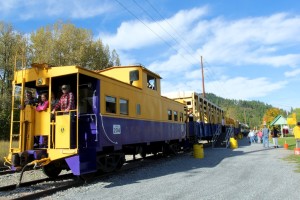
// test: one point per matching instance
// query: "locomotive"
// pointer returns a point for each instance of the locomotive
(118, 111)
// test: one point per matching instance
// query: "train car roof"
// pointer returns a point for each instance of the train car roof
(44, 70)
(130, 66)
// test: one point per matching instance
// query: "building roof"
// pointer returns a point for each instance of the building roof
(279, 120)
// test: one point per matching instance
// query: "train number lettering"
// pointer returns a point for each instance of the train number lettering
(116, 129)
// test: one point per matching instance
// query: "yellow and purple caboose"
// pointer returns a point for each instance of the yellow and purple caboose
(118, 111)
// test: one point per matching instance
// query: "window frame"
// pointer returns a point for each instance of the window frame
(108, 107)
(170, 113)
(127, 106)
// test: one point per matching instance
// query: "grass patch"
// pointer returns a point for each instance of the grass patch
(4, 146)
(294, 159)
(291, 141)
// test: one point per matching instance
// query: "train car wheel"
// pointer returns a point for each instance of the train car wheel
(120, 163)
(110, 163)
(52, 170)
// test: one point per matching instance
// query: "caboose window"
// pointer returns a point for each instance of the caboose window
(151, 82)
(133, 76)
(175, 116)
(124, 106)
(110, 104)
(181, 117)
(138, 109)
(169, 114)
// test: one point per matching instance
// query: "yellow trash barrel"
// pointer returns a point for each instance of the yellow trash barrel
(233, 143)
(198, 151)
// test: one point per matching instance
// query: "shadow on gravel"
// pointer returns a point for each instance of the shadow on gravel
(182, 163)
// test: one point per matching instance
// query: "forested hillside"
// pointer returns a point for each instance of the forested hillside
(249, 112)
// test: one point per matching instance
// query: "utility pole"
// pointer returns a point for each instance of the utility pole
(203, 88)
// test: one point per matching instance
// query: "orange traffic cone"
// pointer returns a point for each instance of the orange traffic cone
(286, 145)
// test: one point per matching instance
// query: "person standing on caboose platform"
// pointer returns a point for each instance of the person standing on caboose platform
(66, 101)
(29, 100)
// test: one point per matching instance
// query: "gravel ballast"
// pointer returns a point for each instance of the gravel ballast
(248, 172)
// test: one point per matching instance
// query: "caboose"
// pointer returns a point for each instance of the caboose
(118, 111)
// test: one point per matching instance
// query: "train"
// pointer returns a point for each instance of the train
(118, 111)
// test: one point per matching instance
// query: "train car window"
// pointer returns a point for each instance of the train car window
(133, 76)
(151, 82)
(138, 109)
(124, 106)
(181, 117)
(169, 114)
(175, 116)
(110, 103)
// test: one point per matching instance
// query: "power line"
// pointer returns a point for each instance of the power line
(188, 51)
(151, 30)
(177, 35)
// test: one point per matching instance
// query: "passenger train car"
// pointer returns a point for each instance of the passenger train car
(206, 120)
(118, 111)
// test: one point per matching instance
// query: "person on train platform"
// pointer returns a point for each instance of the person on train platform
(66, 101)
(265, 133)
(44, 104)
(29, 100)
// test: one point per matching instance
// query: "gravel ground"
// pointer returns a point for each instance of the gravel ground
(248, 172)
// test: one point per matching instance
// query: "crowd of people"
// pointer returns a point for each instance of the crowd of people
(65, 103)
(262, 136)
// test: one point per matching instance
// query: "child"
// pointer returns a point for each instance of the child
(43, 105)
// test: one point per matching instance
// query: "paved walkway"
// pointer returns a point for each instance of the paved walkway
(248, 172)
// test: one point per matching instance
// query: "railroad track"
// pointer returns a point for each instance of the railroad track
(36, 189)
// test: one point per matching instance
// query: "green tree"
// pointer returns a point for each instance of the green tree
(12, 46)
(64, 44)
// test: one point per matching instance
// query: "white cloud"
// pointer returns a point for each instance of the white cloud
(236, 43)
(233, 88)
(249, 41)
(70, 9)
(293, 73)
(259, 40)
(136, 34)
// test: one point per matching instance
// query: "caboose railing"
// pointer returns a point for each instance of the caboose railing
(229, 134)
(216, 135)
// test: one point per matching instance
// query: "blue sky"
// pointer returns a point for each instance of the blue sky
(250, 48)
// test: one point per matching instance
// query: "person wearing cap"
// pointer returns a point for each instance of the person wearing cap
(29, 100)
(66, 101)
